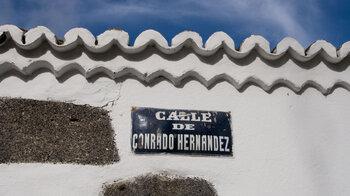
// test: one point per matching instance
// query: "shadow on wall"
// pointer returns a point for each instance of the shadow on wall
(160, 76)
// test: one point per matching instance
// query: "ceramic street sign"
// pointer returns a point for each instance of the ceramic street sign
(181, 131)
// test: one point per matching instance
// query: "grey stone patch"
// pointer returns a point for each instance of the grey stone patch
(157, 185)
(55, 132)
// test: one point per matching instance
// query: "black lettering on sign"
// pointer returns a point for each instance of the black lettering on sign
(181, 131)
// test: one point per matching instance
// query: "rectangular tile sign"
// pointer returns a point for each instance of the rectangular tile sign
(181, 131)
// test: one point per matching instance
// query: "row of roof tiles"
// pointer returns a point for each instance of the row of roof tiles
(33, 38)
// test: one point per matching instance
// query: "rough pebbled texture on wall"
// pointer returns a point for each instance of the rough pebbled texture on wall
(157, 185)
(45, 131)
(320, 66)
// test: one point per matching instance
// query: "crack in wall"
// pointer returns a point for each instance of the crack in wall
(110, 104)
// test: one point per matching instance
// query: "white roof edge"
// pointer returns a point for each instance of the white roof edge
(33, 38)
(293, 75)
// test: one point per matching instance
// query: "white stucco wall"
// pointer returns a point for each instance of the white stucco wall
(284, 144)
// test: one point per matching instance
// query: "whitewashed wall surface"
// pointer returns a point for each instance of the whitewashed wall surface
(290, 107)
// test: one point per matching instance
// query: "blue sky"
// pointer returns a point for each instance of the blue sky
(304, 20)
